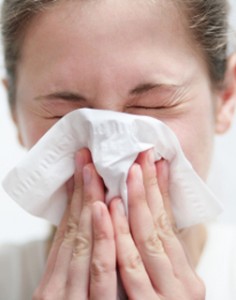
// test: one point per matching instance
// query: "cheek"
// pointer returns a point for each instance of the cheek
(30, 126)
(198, 148)
(196, 136)
(30, 136)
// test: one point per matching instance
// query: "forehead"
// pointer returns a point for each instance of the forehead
(104, 21)
(102, 38)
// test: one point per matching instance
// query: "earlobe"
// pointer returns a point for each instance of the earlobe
(14, 118)
(5, 83)
(20, 140)
(227, 98)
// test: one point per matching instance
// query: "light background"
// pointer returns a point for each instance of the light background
(18, 226)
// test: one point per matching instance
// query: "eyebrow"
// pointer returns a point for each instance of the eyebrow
(146, 87)
(65, 95)
(140, 89)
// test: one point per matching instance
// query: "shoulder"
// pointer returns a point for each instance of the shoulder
(217, 266)
(22, 266)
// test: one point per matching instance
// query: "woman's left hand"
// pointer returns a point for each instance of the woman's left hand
(151, 259)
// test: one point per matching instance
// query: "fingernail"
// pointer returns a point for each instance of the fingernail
(151, 157)
(87, 175)
(79, 161)
(120, 208)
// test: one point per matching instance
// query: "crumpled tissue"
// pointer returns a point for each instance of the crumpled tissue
(115, 139)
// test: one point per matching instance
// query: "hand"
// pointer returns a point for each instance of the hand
(151, 260)
(82, 262)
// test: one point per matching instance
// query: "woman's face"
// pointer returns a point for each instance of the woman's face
(120, 55)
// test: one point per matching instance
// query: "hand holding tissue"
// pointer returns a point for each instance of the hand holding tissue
(114, 140)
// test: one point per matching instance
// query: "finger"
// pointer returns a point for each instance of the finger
(57, 240)
(93, 185)
(82, 158)
(70, 220)
(166, 229)
(169, 233)
(145, 234)
(162, 171)
(67, 240)
(66, 231)
(165, 223)
(103, 283)
(93, 190)
(78, 273)
(133, 274)
(153, 195)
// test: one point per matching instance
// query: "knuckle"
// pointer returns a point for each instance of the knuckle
(163, 225)
(71, 230)
(133, 262)
(89, 197)
(77, 189)
(82, 245)
(59, 236)
(36, 295)
(103, 235)
(99, 268)
(152, 181)
(46, 294)
(154, 245)
(198, 290)
(42, 296)
(123, 230)
(195, 288)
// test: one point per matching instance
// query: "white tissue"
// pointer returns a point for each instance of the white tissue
(114, 139)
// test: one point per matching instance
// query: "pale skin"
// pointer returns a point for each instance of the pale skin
(130, 57)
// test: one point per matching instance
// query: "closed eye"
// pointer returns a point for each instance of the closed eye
(148, 107)
(54, 117)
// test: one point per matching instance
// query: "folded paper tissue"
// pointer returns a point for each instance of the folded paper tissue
(115, 140)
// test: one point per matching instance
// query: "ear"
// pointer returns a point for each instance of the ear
(227, 98)
(13, 113)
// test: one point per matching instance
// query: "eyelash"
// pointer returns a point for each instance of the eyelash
(129, 107)
(54, 117)
(149, 107)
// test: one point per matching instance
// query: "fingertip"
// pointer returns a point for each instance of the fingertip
(89, 172)
(141, 157)
(146, 156)
(102, 223)
(135, 172)
(117, 206)
(87, 175)
(112, 205)
(135, 184)
(82, 157)
(79, 161)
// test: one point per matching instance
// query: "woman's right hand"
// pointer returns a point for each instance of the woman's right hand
(82, 261)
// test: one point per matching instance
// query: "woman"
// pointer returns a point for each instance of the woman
(164, 59)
